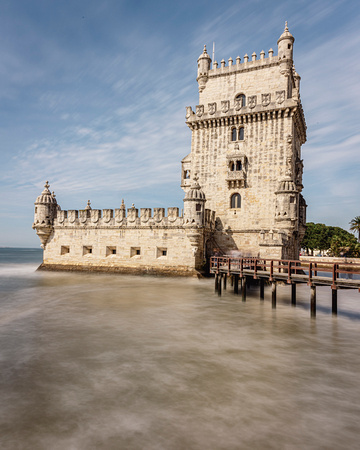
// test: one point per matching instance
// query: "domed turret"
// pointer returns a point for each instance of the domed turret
(194, 204)
(285, 44)
(204, 62)
(286, 200)
(45, 211)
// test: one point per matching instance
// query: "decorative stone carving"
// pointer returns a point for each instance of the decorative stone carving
(199, 110)
(173, 214)
(265, 99)
(95, 215)
(132, 214)
(225, 106)
(62, 215)
(145, 214)
(188, 112)
(107, 215)
(252, 101)
(238, 104)
(280, 97)
(212, 108)
(72, 215)
(83, 216)
(159, 214)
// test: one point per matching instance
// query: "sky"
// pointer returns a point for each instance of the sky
(93, 96)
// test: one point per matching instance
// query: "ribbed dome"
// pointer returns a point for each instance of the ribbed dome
(286, 34)
(204, 54)
(46, 196)
(195, 192)
(286, 185)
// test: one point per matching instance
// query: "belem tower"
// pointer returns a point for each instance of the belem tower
(242, 182)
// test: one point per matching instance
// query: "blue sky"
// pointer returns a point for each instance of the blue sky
(93, 96)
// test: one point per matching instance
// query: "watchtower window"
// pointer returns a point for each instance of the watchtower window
(242, 98)
(235, 201)
(238, 165)
(186, 174)
(233, 134)
(198, 207)
(241, 134)
(232, 166)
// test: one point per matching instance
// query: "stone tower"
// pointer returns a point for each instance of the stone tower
(247, 132)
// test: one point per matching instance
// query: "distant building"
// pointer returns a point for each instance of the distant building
(245, 166)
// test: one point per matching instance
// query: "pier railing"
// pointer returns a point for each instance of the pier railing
(335, 275)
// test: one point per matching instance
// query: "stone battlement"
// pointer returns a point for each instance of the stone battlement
(119, 218)
(239, 66)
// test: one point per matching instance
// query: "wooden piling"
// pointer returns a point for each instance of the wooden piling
(219, 285)
(334, 301)
(225, 278)
(313, 301)
(293, 294)
(236, 284)
(261, 282)
(216, 281)
(273, 295)
(243, 289)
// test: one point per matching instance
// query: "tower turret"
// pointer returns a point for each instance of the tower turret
(45, 211)
(204, 62)
(194, 205)
(285, 50)
(286, 209)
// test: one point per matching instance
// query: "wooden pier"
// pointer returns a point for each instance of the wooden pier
(292, 272)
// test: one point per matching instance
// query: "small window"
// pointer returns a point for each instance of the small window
(198, 207)
(135, 251)
(232, 166)
(289, 46)
(241, 97)
(161, 252)
(233, 134)
(110, 251)
(64, 250)
(238, 165)
(186, 174)
(87, 250)
(241, 134)
(235, 201)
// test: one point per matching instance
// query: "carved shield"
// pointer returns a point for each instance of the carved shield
(119, 215)
(132, 214)
(158, 214)
(83, 216)
(95, 215)
(265, 99)
(72, 215)
(199, 110)
(212, 108)
(61, 216)
(252, 101)
(188, 112)
(145, 214)
(107, 215)
(280, 96)
(238, 104)
(225, 106)
(173, 214)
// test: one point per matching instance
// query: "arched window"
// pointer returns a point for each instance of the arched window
(233, 134)
(232, 166)
(241, 97)
(235, 201)
(238, 165)
(241, 134)
(186, 174)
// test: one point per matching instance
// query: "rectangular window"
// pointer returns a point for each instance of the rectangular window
(135, 251)
(110, 251)
(64, 250)
(161, 252)
(87, 250)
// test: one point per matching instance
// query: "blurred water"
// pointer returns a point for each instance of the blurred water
(122, 362)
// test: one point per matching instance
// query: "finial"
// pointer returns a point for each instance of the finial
(205, 48)
(88, 205)
(133, 206)
(53, 194)
(286, 26)
(46, 185)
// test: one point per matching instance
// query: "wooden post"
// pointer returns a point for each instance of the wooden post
(261, 281)
(313, 301)
(236, 284)
(232, 281)
(225, 278)
(293, 294)
(334, 301)
(219, 285)
(216, 281)
(243, 289)
(273, 295)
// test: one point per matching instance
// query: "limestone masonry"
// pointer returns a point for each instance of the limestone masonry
(245, 166)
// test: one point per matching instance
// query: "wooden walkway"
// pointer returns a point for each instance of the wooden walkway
(335, 275)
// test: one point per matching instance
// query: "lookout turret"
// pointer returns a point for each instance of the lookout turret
(45, 211)
(204, 62)
(285, 50)
(194, 204)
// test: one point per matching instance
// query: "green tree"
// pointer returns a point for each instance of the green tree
(355, 226)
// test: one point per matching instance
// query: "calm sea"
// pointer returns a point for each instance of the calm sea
(128, 362)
